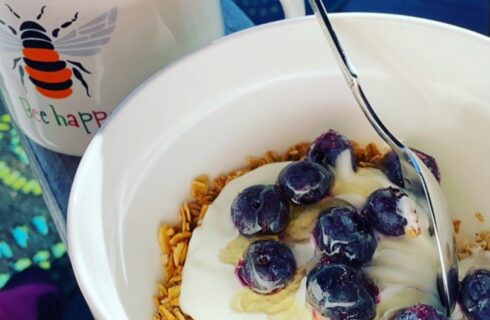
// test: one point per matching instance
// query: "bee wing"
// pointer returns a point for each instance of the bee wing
(89, 38)
(8, 41)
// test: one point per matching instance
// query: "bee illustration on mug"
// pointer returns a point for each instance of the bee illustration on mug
(45, 55)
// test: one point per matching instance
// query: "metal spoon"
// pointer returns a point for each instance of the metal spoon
(417, 177)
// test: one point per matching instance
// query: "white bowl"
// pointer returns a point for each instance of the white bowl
(268, 88)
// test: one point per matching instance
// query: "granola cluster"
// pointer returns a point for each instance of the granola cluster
(466, 247)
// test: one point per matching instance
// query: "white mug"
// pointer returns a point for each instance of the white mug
(67, 64)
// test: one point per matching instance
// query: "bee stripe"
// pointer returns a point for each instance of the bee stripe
(41, 55)
(32, 34)
(52, 86)
(55, 94)
(31, 25)
(45, 66)
(49, 77)
(37, 44)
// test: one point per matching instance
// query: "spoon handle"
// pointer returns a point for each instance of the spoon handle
(350, 75)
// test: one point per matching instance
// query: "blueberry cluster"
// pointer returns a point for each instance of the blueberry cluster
(266, 209)
(337, 288)
(344, 237)
(263, 210)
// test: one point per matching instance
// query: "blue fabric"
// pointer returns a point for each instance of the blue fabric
(234, 19)
(469, 14)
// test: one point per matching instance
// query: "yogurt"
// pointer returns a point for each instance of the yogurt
(403, 268)
(479, 259)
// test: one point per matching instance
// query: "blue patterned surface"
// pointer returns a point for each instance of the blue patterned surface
(27, 233)
(28, 237)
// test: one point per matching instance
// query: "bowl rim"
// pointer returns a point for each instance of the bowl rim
(81, 263)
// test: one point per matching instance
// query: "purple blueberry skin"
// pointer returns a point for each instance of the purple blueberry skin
(430, 162)
(381, 211)
(305, 182)
(391, 166)
(337, 293)
(260, 210)
(268, 266)
(327, 147)
(474, 295)
(419, 312)
(342, 235)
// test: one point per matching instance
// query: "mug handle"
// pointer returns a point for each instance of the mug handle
(293, 8)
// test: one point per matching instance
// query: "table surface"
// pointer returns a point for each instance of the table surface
(56, 172)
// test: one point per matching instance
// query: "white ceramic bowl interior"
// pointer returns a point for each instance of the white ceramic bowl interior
(262, 89)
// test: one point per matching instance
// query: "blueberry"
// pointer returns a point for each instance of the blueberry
(305, 182)
(430, 162)
(268, 266)
(260, 210)
(344, 236)
(327, 147)
(474, 295)
(419, 312)
(336, 291)
(391, 166)
(381, 209)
